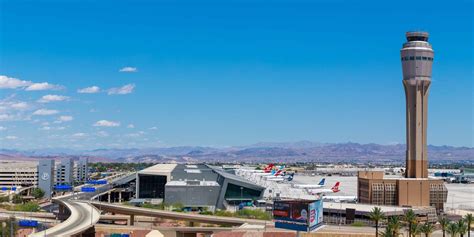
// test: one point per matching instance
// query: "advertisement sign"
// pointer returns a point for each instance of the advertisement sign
(299, 215)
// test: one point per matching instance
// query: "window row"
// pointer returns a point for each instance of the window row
(417, 58)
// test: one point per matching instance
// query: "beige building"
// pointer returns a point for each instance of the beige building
(18, 174)
(416, 189)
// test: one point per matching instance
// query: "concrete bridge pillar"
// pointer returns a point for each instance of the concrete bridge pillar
(108, 197)
(120, 197)
(132, 219)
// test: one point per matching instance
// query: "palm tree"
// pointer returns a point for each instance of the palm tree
(410, 218)
(376, 215)
(462, 227)
(415, 229)
(452, 229)
(469, 219)
(394, 225)
(387, 233)
(444, 223)
(427, 229)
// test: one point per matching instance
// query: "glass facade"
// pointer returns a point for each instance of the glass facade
(238, 192)
(417, 58)
(151, 186)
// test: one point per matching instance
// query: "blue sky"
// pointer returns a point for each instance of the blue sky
(222, 73)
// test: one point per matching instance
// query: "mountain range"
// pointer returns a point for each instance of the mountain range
(302, 151)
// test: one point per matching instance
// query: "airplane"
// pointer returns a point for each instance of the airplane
(281, 178)
(265, 170)
(308, 186)
(334, 189)
(340, 198)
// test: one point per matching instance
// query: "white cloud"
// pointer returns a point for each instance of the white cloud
(153, 128)
(42, 86)
(106, 123)
(128, 69)
(6, 117)
(65, 118)
(126, 89)
(19, 105)
(11, 137)
(12, 83)
(45, 128)
(130, 126)
(45, 112)
(135, 134)
(102, 134)
(2, 128)
(52, 98)
(89, 90)
(79, 134)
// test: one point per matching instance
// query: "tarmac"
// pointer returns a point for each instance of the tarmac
(460, 196)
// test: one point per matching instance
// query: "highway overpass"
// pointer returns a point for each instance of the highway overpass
(83, 216)
(139, 211)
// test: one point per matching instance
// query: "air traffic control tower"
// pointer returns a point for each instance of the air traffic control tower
(417, 59)
(415, 189)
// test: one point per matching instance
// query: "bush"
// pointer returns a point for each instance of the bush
(17, 199)
(27, 207)
(37, 193)
(4, 199)
(246, 213)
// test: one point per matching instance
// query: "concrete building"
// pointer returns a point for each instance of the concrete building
(415, 189)
(81, 170)
(15, 174)
(46, 178)
(195, 186)
(64, 172)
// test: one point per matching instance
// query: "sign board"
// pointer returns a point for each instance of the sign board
(102, 181)
(88, 189)
(28, 223)
(63, 187)
(299, 215)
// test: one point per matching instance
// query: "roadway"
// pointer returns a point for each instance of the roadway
(83, 216)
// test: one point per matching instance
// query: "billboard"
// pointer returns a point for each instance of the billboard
(299, 215)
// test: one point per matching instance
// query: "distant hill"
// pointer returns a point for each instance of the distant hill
(303, 151)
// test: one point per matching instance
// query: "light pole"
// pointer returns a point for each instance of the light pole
(241, 195)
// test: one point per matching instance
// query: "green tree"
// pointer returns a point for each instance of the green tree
(452, 229)
(7, 226)
(469, 220)
(394, 225)
(410, 219)
(427, 229)
(415, 229)
(462, 227)
(444, 223)
(37, 193)
(17, 199)
(376, 215)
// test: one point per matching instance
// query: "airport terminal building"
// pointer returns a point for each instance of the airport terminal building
(195, 186)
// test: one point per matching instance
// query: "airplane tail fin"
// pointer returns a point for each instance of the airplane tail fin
(335, 188)
(322, 181)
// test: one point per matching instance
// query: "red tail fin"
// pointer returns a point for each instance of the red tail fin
(268, 168)
(335, 188)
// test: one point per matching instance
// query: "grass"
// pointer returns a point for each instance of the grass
(26, 207)
(246, 213)
(358, 224)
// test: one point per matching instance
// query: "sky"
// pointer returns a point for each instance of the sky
(124, 74)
